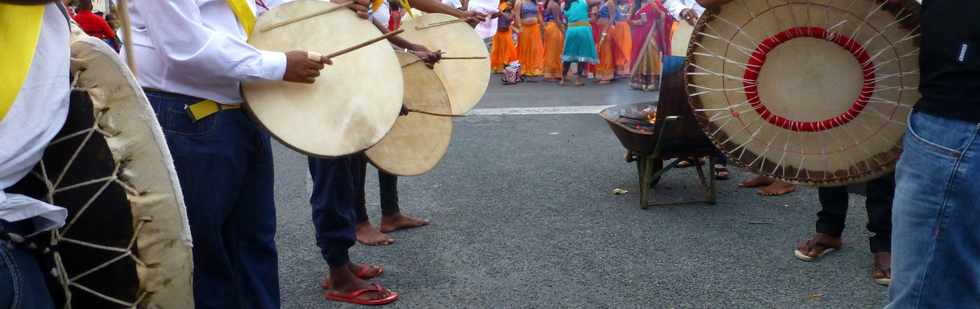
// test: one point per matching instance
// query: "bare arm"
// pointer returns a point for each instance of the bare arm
(435, 6)
(517, 14)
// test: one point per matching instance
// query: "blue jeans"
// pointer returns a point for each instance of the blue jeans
(936, 216)
(21, 283)
(224, 163)
(333, 208)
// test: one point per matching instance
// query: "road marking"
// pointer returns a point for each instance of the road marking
(551, 110)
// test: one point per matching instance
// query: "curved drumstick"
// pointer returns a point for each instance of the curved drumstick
(318, 57)
(305, 17)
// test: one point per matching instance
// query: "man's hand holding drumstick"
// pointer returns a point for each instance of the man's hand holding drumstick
(304, 67)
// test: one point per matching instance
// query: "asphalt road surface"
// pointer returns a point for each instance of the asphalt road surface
(523, 216)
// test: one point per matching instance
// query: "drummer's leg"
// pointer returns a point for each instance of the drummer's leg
(209, 165)
(333, 213)
(251, 229)
(832, 216)
(366, 233)
(881, 193)
(830, 225)
(392, 218)
(333, 218)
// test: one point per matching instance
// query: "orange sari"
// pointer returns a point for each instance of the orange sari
(606, 69)
(554, 41)
(530, 50)
(502, 51)
(622, 39)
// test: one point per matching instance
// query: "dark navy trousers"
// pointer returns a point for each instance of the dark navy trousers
(224, 163)
(333, 208)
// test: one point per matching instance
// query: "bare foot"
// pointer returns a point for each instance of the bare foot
(368, 235)
(758, 181)
(817, 246)
(400, 222)
(777, 188)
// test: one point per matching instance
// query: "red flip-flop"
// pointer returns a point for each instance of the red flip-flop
(364, 273)
(352, 298)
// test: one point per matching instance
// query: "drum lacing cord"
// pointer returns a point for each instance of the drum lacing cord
(730, 113)
(62, 235)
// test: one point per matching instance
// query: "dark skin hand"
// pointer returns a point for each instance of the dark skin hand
(301, 69)
(360, 7)
(689, 16)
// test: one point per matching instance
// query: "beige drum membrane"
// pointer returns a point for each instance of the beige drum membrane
(812, 92)
(353, 103)
(466, 80)
(418, 141)
(126, 242)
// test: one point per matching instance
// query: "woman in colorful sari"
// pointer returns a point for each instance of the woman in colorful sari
(651, 26)
(502, 50)
(553, 40)
(530, 46)
(605, 70)
(622, 38)
(579, 47)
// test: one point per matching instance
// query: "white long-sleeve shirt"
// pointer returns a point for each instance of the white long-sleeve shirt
(35, 117)
(674, 7)
(198, 48)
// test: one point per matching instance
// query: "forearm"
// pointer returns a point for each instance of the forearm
(394, 40)
(435, 6)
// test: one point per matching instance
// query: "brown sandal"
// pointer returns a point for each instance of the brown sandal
(881, 269)
(819, 249)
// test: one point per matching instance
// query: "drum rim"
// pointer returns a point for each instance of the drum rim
(766, 167)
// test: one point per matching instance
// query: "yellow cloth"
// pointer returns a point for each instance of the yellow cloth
(20, 27)
(244, 15)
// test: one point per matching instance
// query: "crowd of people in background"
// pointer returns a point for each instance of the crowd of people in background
(577, 40)
(101, 25)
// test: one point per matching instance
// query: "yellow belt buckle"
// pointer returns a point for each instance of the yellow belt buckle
(203, 109)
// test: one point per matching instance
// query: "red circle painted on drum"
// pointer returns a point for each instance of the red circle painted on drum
(758, 58)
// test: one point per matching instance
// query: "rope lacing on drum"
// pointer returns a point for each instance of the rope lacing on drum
(63, 235)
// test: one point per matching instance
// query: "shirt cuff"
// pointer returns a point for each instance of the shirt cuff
(273, 65)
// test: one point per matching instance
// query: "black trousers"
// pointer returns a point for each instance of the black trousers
(387, 182)
(833, 213)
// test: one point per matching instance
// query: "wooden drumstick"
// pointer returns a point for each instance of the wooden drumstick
(433, 114)
(366, 43)
(123, 9)
(442, 23)
(305, 17)
(462, 58)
